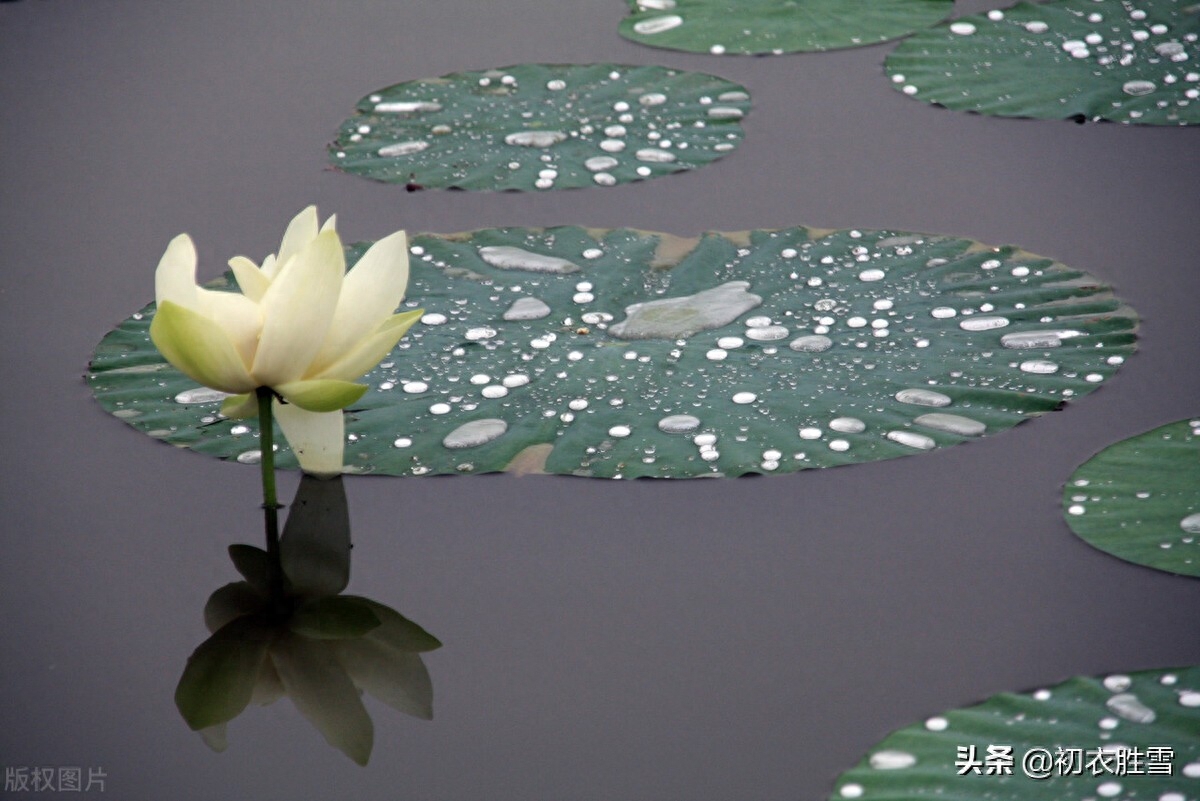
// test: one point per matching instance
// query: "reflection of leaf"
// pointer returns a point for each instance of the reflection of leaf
(542, 126)
(1139, 499)
(1144, 719)
(623, 353)
(775, 26)
(253, 563)
(1091, 59)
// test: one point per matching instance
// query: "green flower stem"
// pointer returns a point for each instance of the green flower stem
(266, 428)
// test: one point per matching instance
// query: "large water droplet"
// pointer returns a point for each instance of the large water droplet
(725, 113)
(1117, 683)
(952, 424)
(768, 333)
(402, 149)
(1127, 706)
(848, 425)
(983, 323)
(654, 155)
(475, 433)
(892, 760)
(601, 163)
(677, 318)
(535, 138)
(527, 309)
(406, 106)
(962, 28)
(1191, 524)
(679, 423)
(912, 439)
(923, 397)
(1039, 367)
(814, 343)
(507, 257)
(1137, 88)
(1028, 340)
(201, 395)
(648, 27)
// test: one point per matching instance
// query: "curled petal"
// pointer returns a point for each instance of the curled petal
(236, 407)
(371, 291)
(297, 309)
(230, 602)
(372, 349)
(320, 688)
(175, 278)
(251, 280)
(199, 348)
(317, 438)
(322, 394)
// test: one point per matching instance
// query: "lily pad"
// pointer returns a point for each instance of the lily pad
(622, 353)
(1083, 59)
(542, 126)
(775, 26)
(1139, 499)
(1121, 736)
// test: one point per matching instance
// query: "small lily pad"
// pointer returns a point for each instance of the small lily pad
(1120, 736)
(775, 26)
(1139, 499)
(1084, 59)
(542, 126)
(653, 355)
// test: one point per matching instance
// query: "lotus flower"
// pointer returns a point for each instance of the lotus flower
(302, 326)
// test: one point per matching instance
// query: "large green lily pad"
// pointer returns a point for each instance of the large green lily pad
(1139, 499)
(1083, 59)
(1134, 736)
(622, 353)
(775, 26)
(542, 126)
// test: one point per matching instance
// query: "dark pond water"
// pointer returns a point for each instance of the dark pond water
(743, 639)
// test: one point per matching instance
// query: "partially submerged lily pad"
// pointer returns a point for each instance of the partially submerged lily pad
(622, 353)
(542, 126)
(1139, 499)
(1084, 59)
(1120, 736)
(775, 26)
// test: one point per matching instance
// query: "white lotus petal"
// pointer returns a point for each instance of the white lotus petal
(175, 278)
(371, 291)
(252, 281)
(317, 438)
(301, 231)
(297, 310)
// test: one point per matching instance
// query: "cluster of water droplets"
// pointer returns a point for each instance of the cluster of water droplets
(1146, 53)
(539, 127)
(1116, 508)
(1122, 709)
(714, 27)
(758, 352)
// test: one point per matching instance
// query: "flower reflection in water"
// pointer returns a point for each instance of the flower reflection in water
(302, 638)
